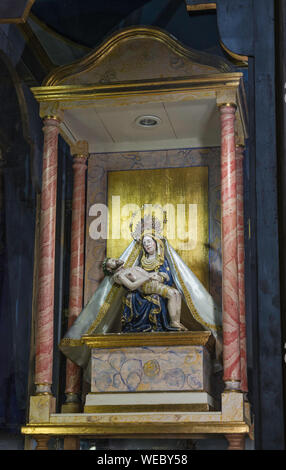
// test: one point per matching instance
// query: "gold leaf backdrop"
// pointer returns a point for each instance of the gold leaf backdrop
(179, 187)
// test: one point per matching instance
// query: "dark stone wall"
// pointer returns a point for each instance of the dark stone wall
(18, 204)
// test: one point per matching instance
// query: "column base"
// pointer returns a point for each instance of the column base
(72, 404)
(232, 386)
(233, 406)
(71, 408)
(41, 407)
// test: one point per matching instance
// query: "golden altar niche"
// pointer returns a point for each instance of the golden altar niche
(141, 71)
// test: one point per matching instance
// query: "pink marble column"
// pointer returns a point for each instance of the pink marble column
(73, 372)
(230, 303)
(45, 300)
(240, 256)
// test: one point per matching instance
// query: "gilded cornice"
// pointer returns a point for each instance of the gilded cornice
(91, 60)
(131, 429)
(68, 93)
(115, 340)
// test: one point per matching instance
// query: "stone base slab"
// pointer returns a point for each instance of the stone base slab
(146, 402)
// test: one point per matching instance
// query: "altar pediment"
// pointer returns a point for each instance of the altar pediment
(137, 53)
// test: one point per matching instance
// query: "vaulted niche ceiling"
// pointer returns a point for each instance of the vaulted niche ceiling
(182, 124)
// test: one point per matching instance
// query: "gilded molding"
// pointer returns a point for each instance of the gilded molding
(201, 7)
(70, 342)
(219, 82)
(175, 408)
(182, 338)
(131, 429)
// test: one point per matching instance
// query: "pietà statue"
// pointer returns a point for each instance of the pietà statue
(145, 288)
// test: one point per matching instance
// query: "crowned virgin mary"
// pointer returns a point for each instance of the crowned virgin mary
(149, 289)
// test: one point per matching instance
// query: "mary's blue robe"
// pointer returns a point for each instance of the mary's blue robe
(147, 312)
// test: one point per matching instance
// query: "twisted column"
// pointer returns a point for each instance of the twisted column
(240, 257)
(45, 300)
(231, 325)
(80, 152)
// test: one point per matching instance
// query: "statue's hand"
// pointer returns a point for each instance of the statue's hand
(131, 277)
(161, 277)
(156, 277)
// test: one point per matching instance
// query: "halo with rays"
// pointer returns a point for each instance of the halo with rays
(149, 219)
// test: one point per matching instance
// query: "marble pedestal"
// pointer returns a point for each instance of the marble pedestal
(150, 372)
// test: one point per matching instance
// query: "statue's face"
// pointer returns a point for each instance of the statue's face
(149, 245)
(114, 263)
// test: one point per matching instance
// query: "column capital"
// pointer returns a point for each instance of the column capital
(51, 111)
(227, 108)
(51, 122)
(79, 149)
(226, 98)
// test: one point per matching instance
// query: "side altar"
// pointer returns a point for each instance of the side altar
(150, 385)
(163, 327)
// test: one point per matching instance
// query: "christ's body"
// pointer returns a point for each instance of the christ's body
(136, 278)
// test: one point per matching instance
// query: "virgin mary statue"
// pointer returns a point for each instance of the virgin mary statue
(178, 302)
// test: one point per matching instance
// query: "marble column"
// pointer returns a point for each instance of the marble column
(240, 259)
(73, 372)
(230, 301)
(45, 299)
